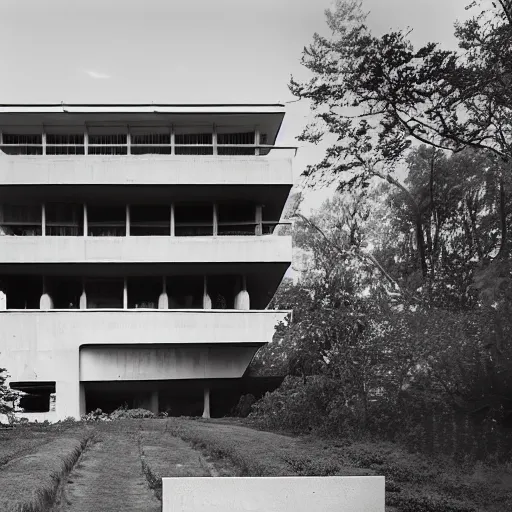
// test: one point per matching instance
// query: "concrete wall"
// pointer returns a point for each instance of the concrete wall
(69, 249)
(45, 345)
(283, 494)
(100, 363)
(145, 170)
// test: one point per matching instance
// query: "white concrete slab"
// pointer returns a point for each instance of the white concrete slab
(270, 494)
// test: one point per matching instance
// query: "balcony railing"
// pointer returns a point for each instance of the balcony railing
(142, 149)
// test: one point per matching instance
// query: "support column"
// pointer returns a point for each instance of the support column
(43, 219)
(125, 293)
(259, 220)
(153, 405)
(163, 300)
(206, 401)
(214, 140)
(83, 296)
(43, 140)
(173, 141)
(257, 140)
(128, 143)
(82, 403)
(173, 222)
(215, 219)
(86, 226)
(128, 220)
(207, 301)
(45, 302)
(86, 141)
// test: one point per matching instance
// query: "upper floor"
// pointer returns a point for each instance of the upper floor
(121, 130)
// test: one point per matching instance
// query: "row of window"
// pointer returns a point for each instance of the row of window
(63, 219)
(117, 143)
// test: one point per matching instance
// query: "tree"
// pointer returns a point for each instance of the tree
(7, 395)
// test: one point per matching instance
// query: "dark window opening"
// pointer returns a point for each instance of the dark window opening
(150, 220)
(236, 219)
(23, 292)
(65, 144)
(151, 143)
(64, 219)
(185, 292)
(20, 144)
(36, 395)
(106, 220)
(143, 292)
(192, 139)
(20, 219)
(104, 293)
(222, 291)
(112, 144)
(65, 291)
(193, 219)
(235, 138)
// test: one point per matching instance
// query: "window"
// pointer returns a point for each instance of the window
(151, 143)
(65, 144)
(235, 138)
(104, 293)
(20, 220)
(22, 144)
(64, 219)
(152, 220)
(192, 139)
(106, 220)
(193, 219)
(107, 144)
(36, 396)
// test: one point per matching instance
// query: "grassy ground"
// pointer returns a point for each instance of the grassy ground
(34, 462)
(119, 465)
(414, 483)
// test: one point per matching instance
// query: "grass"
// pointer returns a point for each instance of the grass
(35, 460)
(29, 483)
(414, 483)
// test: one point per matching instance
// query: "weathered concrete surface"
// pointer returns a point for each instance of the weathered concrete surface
(44, 345)
(283, 494)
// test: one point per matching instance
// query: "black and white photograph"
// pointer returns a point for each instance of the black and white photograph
(256, 256)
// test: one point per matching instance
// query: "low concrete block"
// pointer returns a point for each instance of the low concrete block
(274, 494)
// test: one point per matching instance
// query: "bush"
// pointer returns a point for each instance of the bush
(244, 406)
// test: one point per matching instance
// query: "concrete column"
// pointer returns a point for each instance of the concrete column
(3, 297)
(163, 300)
(44, 141)
(173, 139)
(43, 219)
(207, 301)
(128, 143)
(82, 403)
(83, 296)
(215, 219)
(242, 299)
(214, 139)
(127, 220)
(172, 220)
(206, 399)
(45, 302)
(153, 407)
(86, 141)
(86, 226)
(257, 140)
(259, 219)
(125, 293)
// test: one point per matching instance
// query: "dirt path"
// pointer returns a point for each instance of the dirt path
(110, 476)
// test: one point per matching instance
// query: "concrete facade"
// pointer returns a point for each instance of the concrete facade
(85, 347)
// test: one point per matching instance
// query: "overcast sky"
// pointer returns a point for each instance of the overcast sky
(187, 51)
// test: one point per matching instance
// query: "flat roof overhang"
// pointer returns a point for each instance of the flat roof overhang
(268, 117)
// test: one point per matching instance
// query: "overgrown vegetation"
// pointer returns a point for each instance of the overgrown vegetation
(402, 311)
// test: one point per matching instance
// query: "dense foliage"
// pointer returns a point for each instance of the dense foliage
(402, 310)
